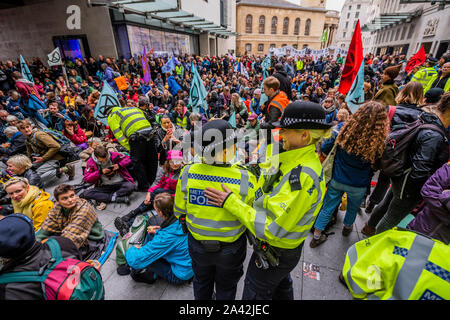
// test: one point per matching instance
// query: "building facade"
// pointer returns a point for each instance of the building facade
(84, 28)
(352, 11)
(400, 27)
(331, 26)
(262, 24)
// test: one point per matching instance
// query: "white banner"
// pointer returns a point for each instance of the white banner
(315, 54)
(54, 58)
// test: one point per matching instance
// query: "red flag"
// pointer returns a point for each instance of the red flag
(416, 60)
(352, 62)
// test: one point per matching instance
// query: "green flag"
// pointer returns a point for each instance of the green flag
(324, 36)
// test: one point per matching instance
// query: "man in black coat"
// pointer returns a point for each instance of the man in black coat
(285, 81)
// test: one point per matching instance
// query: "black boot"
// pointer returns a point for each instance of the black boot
(370, 207)
(124, 199)
(122, 226)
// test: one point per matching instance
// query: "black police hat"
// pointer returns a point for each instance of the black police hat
(209, 141)
(303, 115)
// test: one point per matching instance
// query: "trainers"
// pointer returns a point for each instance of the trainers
(346, 231)
(121, 226)
(124, 199)
(370, 207)
(70, 171)
(123, 269)
(316, 242)
(368, 230)
(101, 206)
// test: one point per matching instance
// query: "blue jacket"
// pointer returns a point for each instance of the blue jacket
(173, 85)
(169, 243)
(348, 168)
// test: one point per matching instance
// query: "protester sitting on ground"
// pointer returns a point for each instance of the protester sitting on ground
(92, 143)
(433, 219)
(90, 125)
(168, 137)
(54, 117)
(29, 200)
(167, 183)
(330, 109)
(108, 171)
(166, 256)
(352, 168)
(75, 134)
(389, 90)
(180, 115)
(14, 107)
(431, 98)
(21, 166)
(43, 150)
(240, 109)
(12, 121)
(16, 142)
(75, 219)
(23, 253)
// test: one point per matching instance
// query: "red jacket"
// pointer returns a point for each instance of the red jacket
(78, 136)
(168, 182)
(93, 174)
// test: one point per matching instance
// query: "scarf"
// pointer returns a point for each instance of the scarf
(24, 206)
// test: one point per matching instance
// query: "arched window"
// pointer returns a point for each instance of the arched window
(262, 24)
(297, 26)
(248, 47)
(286, 25)
(248, 23)
(307, 27)
(274, 25)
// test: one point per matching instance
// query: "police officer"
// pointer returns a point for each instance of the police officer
(425, 74)
(217, 241)
(133, 131)
(288, 199)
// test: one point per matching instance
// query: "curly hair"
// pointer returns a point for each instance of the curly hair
(365, 131)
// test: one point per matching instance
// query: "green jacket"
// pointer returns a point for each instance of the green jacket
(387, 94)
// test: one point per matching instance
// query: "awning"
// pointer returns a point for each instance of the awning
(390, 19)
(168, 11)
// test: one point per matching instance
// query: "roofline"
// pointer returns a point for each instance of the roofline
(278, 7)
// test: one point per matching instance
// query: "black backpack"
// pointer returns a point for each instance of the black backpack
(395, 158)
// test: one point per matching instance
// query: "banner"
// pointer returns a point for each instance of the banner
(243, 70)
(25, 71)
(145, 67)
(324, 36)
(265, 70)
(198, 93)
(416, 60)
(355, 97)
(353, 62)
(54, 58)
(107, 100)
(170, 65)
(232, 120)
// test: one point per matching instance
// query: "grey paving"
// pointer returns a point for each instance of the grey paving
(329, 257)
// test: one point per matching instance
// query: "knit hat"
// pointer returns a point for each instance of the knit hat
(174, 155)
(257, 91)
(392, 72)
(253, 116)
(434, 95)
(16, 235)
(303, 115)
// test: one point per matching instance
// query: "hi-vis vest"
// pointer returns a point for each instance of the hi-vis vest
(182, 122)
(179, 70)
(299, 65)
(123, 122)
(398, 265)
(424, 75)
(284, 215)
(204, 220)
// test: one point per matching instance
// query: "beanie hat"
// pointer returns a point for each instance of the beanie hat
(174, 155)
(16, 235)
(434, 95)
(257, 91)
(392, 72)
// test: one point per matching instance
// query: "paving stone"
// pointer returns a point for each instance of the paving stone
(327, 288)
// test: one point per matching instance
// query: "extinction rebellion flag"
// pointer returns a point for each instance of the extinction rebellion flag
(416, 60)
(54, 58)
(198, 93)
(352, 78)
(25, 71)
(107, 100)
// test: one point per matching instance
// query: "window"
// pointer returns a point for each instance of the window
(305, 46)
(397, 34)
(261, 47)
(297, 26)
(262, 24)
(295, 46)
(411, 31)
(344, 34)
(358, 7)
(349, 8)
(272, 45)
(354, 24)
(357, 15)
(403, 33)
(348, 15)
(286, 25)
(346, 25)
(307, 27)
(248, 47)
(392, 35)
(274, 25)
(248, 23)
(284, 45)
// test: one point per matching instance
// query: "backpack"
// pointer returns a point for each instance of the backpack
(68, 279)
(67, 150)
(58, 136)
(394, 160)
(137, 234)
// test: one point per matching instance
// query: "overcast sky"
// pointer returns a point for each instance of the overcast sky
(331, 4)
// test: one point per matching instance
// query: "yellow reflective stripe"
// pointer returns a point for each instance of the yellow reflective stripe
(208, 223)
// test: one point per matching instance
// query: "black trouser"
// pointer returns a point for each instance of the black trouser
(274, 283)
(143, 208)
(144, 159)
(223, 269)
(106, 192)
(380, 190)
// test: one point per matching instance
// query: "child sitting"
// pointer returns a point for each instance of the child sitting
(166, 255)
(168, 183)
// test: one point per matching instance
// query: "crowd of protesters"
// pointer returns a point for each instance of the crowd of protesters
(39, 145)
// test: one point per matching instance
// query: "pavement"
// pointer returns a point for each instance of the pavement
(326, 260)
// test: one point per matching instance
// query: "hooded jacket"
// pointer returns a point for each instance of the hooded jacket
(168, 182)
(17, 145)
(387, 93)
(169, 243)
(434, 218)
(93, 172)
(285, 83)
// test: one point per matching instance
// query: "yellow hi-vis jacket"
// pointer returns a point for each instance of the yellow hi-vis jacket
(123, 122)
(424, 75)
(398, 265)
(206, 221)
(284, 216)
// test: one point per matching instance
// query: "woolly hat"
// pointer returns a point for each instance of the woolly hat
(392, 72)
(16, 235)
(434, 95)
(257, 91)
(174, 155)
